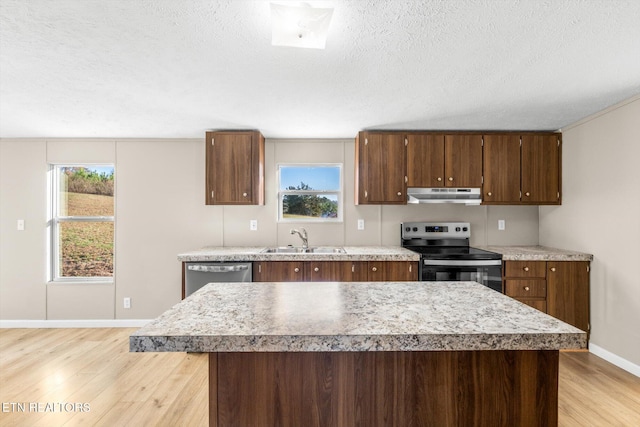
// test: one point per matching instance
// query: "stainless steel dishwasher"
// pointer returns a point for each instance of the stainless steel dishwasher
(198, 274)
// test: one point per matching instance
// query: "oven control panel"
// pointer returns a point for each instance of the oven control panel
(435, 230)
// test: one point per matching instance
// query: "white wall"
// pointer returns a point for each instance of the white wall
(160, 212)
(600, 214)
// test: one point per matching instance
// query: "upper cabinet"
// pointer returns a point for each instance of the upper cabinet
(522, 169)
(381, 164)
(438, 160)
(512, 168)
(501, 169)
(234, 168)
(541, 174)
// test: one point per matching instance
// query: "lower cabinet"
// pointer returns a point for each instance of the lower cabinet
(330, 271)
(568, 292)
(558, 288)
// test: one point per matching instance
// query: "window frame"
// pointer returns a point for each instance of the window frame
(56, 219)
(339, 193)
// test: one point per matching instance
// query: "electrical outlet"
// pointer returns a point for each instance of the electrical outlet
(361, 224)
(501, 224)
(20, 225)
(127, 302)
(253, 225)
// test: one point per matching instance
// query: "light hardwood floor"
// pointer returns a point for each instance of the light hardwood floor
(94, 369)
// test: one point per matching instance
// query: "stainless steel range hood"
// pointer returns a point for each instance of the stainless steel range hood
(468, 196)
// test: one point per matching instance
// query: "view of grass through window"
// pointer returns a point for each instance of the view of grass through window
(309, 192)
(84, 220)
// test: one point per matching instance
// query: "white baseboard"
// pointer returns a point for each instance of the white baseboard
(90, 323)
(615, 359)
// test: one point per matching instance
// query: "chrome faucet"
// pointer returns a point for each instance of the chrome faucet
(303, 236)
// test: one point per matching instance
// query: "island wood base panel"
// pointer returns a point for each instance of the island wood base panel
(449, 388)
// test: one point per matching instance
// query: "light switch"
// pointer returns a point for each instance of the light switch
(253, 225)
(21, 225)
(501, 224)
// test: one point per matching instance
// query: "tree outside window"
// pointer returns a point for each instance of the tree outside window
(310, 193)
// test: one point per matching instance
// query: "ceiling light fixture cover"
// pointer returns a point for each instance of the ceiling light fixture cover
(300, 26)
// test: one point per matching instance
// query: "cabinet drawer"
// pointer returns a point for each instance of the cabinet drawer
(538, 304)
(525, 269)
(526, 288)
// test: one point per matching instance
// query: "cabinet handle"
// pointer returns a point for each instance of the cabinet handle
(374, 269)
(296, 270)
(353, 268)
(399, 193)
(316, 269)
(527, 194)
(450, 178)
(526, 288)
(439, 179)
(489, 194)
(552, 269)
(244, 194)
(365, 194)
(526, 268)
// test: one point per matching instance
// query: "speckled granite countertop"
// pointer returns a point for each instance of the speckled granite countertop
(352, 316)
(537, 253)
(352, 253)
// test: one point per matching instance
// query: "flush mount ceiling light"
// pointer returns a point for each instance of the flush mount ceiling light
(300, 26)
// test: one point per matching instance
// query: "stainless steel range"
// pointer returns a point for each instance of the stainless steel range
(447, 256)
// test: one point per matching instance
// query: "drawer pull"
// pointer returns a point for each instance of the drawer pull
(316, 269)
(489, 194)
(553, 269)
(244, 194)
(526, 288)
(374, 269)
(526, 268)
(296, 270)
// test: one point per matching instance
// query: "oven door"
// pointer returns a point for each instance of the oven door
(486, 272)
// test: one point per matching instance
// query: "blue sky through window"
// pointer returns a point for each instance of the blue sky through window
(101, 169)
(317, 177)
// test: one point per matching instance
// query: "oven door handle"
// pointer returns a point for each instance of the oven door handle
(462, 263)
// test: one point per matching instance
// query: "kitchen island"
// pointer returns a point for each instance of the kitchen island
(368, 353)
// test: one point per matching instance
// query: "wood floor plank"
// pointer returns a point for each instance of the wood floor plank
(94, 366)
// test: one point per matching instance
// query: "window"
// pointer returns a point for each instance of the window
(82, 225)
(311, 192)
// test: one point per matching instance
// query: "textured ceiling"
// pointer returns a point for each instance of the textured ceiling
(167, 68)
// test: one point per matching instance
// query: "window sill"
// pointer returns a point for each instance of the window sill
(81, 281)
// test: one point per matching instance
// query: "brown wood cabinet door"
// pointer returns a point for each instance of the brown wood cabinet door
(463, 160)
(501, 169)
(541, 169)
(234, 168)
(425, 160)
(278, 271)
(381, 169)
(380, 271)
(568, 292)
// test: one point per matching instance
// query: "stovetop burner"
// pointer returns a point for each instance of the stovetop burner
(457, 252)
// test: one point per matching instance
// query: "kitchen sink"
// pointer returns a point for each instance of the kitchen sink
(299, 250)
